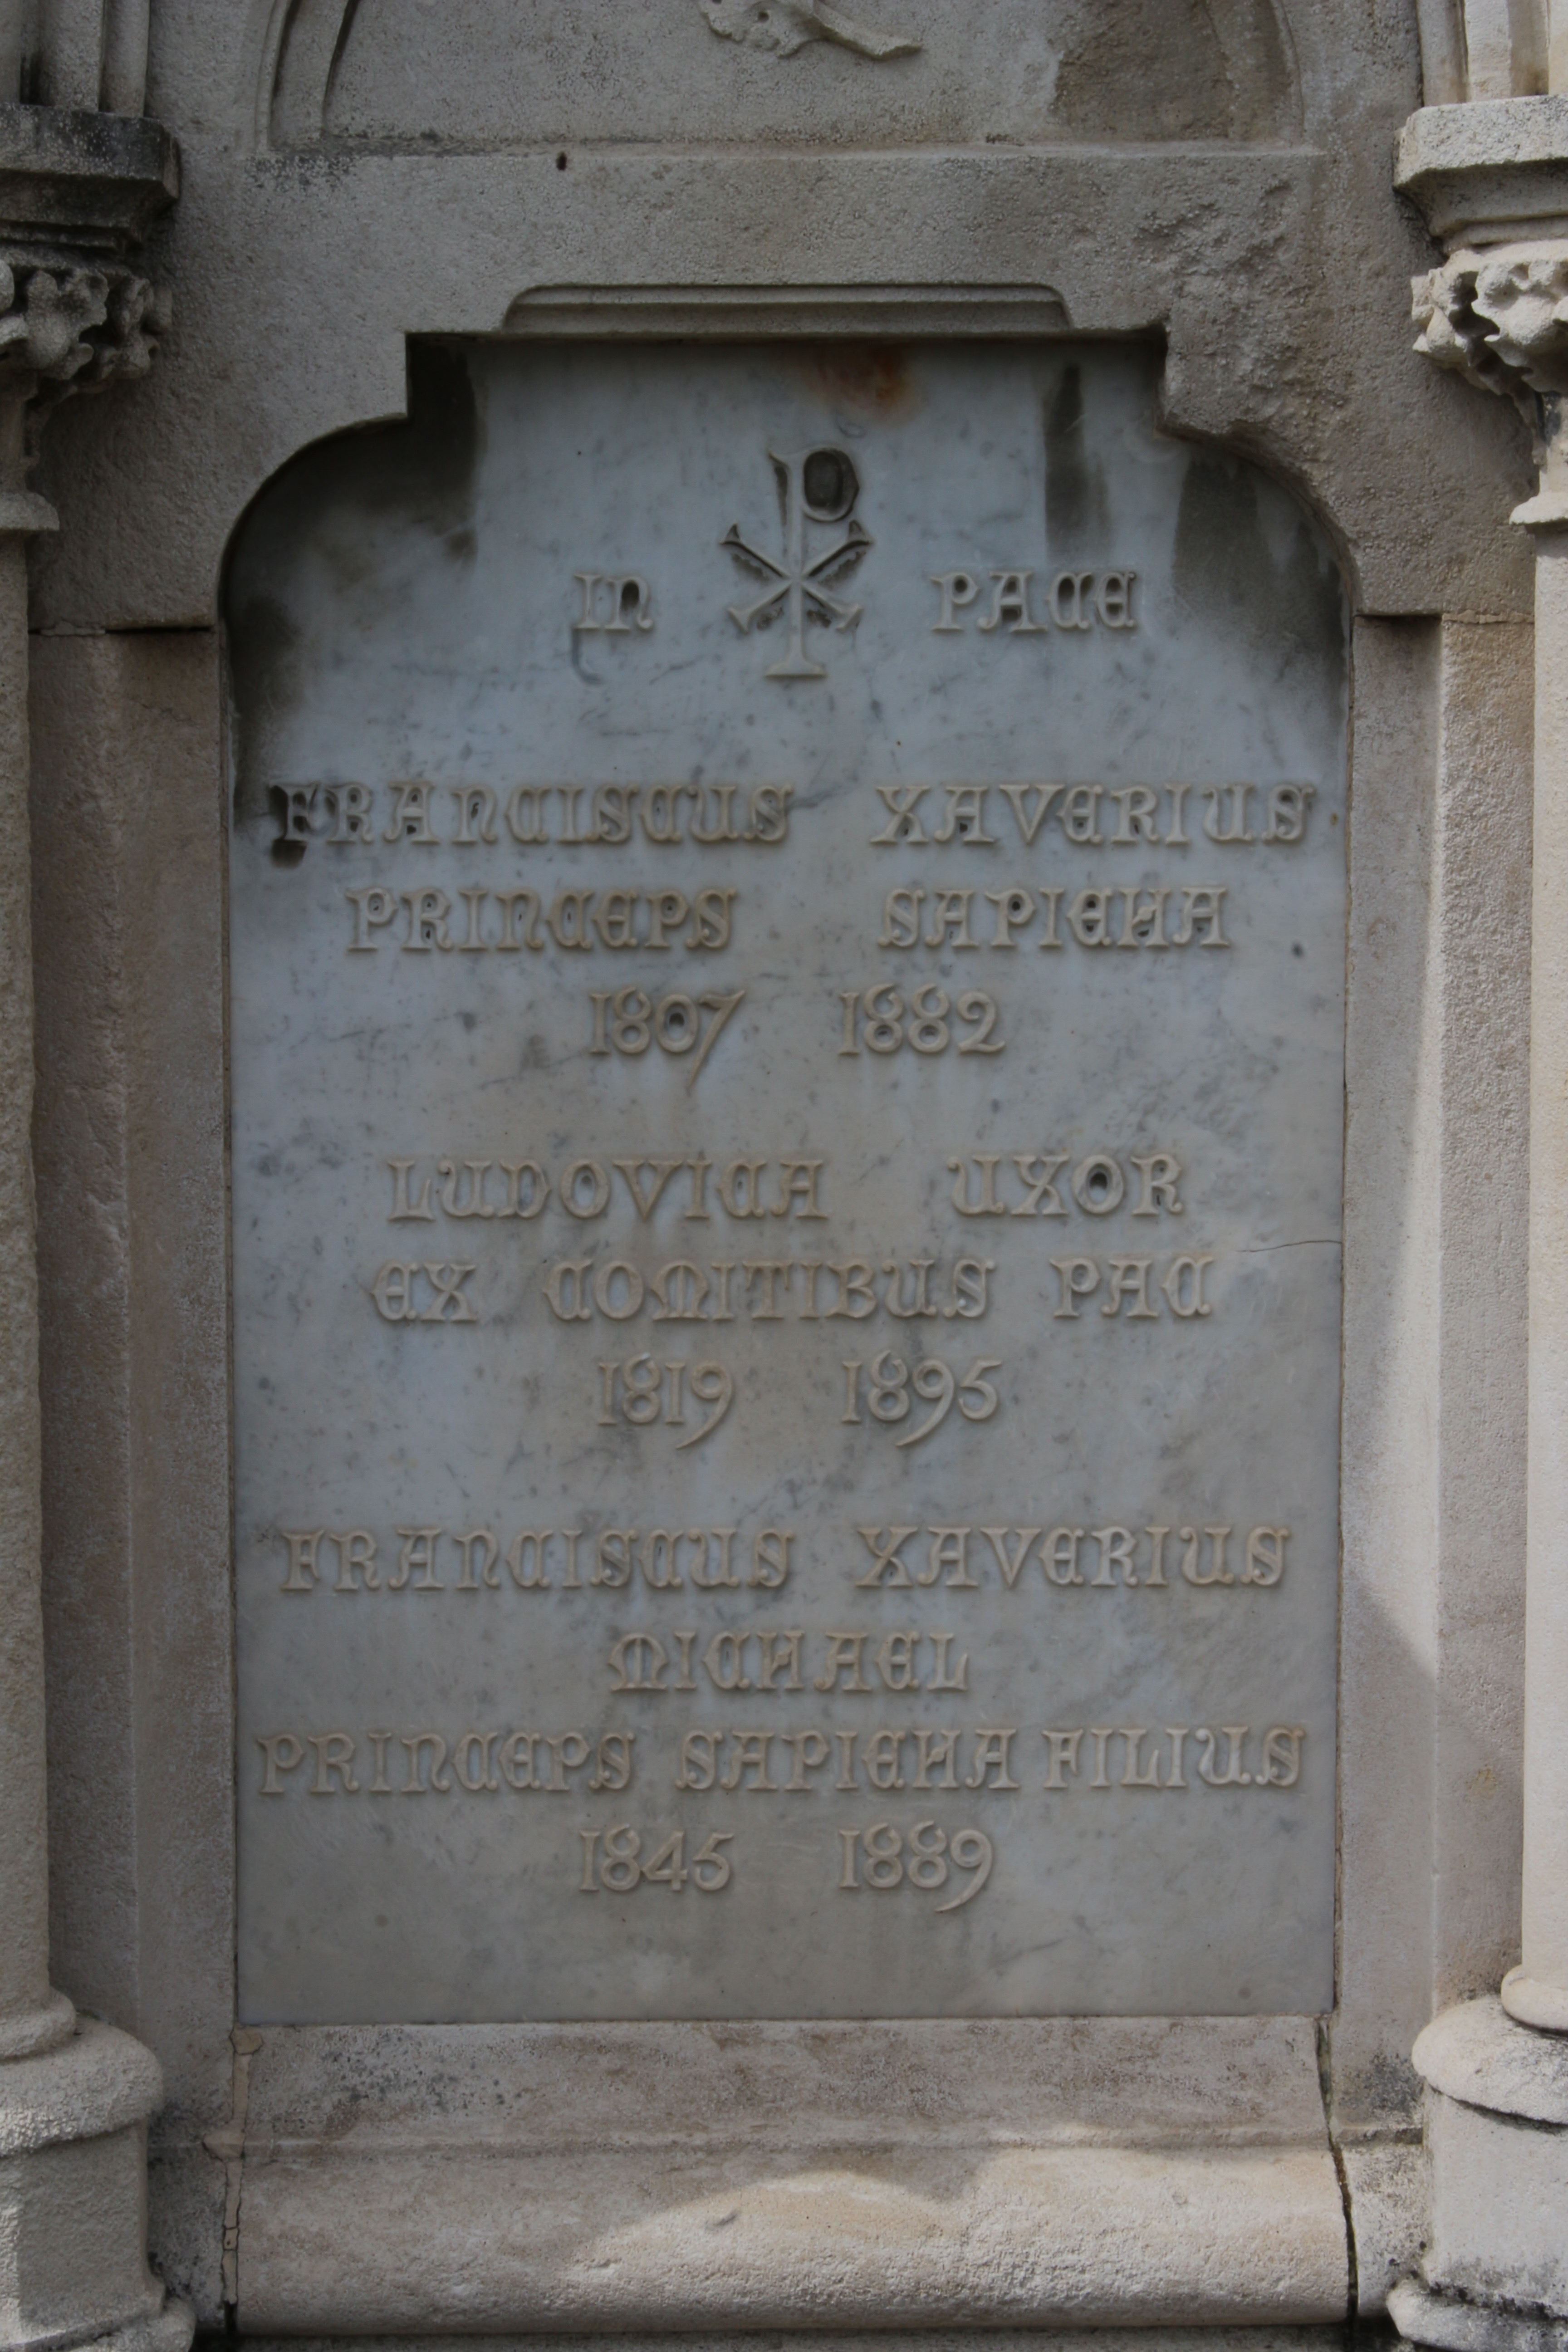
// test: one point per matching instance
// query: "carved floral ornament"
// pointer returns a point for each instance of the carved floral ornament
(782, 27)
(66, 326)
(81, 327)
(1500, 318)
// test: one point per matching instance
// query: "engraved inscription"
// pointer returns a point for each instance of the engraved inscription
(1068, 600)
(787, 991)
(616, 604)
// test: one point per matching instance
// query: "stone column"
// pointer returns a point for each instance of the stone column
(1494, 2276)
(1500, 317)
(75, 2095)
(33, 2017)
(1536, 1992)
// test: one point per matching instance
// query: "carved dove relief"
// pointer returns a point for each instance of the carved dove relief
(783, 26)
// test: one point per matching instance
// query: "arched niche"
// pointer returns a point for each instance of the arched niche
(396, 74)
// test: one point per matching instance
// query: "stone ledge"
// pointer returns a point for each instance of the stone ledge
(911, 2339)
(495, 2244)
(95, 180)
(787, 2087)
(1017, 2173)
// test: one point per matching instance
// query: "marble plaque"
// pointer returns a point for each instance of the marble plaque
(787, 934)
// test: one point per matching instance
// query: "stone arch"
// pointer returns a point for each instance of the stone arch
(352, 74)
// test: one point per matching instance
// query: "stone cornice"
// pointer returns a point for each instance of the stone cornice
(1491, 173)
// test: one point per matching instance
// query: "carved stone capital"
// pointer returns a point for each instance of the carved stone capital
(75, 324)
(1500, 318)
(69, 324)
(77, 192)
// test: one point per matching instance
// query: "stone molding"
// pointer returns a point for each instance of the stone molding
(861, 314)
(1490, 172)
(1493, 2275)
(1451, 2324)
(1479, 2055)
(73, 2265)
(99, 2081)
(1056, 2172)
(76, 191)
(97, 181)
(35, 2030)
(1524, 1997)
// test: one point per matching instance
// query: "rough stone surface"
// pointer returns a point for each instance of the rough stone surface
(1499, 2179)
(903, 2339)
(1435, 1210)
(1486, 172)
(1451, 2324)
(1067, 71)
(1139, 237)
(1544, 1900)
(100, 2081)
(706, 2177)
(30, 2013)
(1385, 2192)
(303, 253)
(97, 179)
(1231, 2082)
(1498, 2224)
(128, 1148)
(1021, 2237)
(73, 2226)
(1478, 2055)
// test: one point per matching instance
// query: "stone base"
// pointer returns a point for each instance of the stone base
(73, 2200)
(1523, 1997)
(687, 2181)
(1451, 2326)
(903, 2339)
(1495, 2272)
(169, 2330)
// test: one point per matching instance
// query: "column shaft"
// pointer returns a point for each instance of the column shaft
(32, 2018)
(23, 1886)
(1545, 1890)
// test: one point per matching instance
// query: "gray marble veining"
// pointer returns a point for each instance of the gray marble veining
(573, 1174)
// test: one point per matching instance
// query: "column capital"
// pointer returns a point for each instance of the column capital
(79, 193)
(1499, 317)
(72, 322)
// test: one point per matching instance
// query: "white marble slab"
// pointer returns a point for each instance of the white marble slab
(402, 611)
